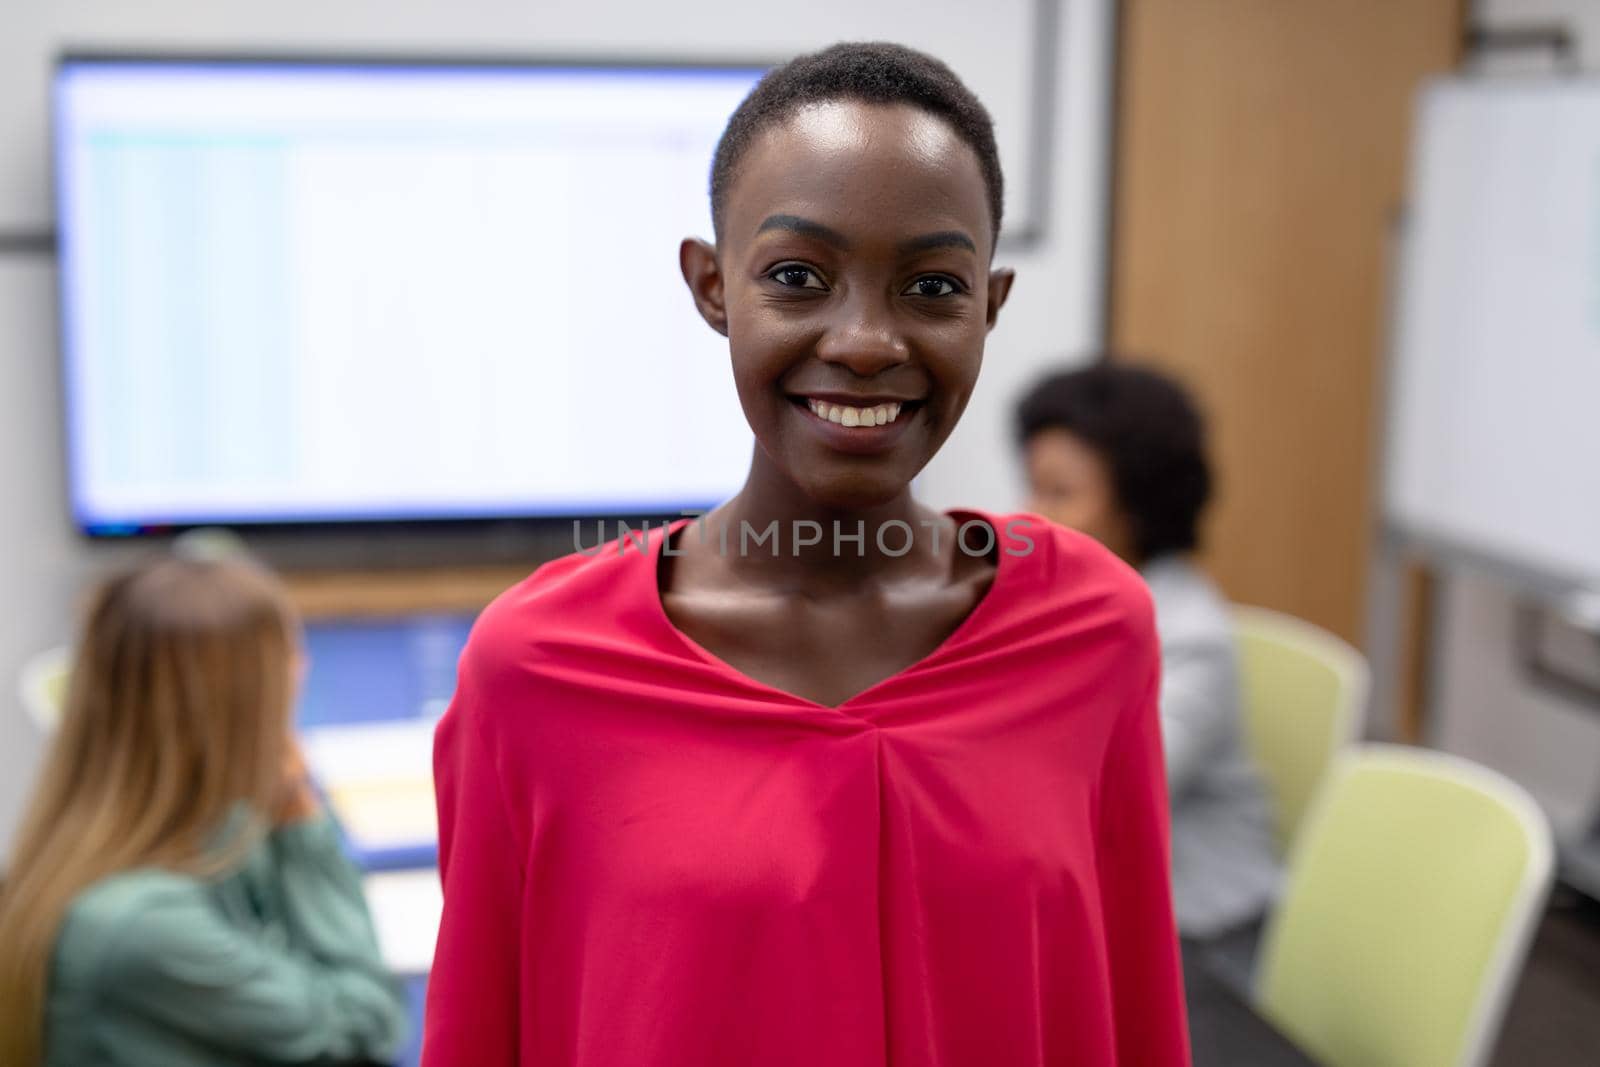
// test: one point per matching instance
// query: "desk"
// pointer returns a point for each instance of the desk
(1226, 1031)
(377, 778)
(377, 685)
(405, 908)
(366, 717)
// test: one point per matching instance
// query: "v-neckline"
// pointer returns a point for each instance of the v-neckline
(1003, 570)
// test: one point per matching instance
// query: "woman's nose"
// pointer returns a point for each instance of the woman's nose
(864, 339)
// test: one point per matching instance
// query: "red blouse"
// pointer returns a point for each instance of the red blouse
(653, 860)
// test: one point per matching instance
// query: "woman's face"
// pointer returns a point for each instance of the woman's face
(1070, 483)
(852, 280)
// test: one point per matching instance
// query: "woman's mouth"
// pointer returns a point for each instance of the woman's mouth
(870, 426)
(850, 416)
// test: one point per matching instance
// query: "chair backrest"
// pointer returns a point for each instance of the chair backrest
(1304, 694)
(1411, 897)
(43, 687)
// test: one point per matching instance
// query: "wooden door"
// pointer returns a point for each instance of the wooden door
(1260, 160)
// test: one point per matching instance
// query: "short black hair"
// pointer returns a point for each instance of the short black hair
(872, 72)
(1151, 435)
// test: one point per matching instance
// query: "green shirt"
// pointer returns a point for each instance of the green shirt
(275, 963)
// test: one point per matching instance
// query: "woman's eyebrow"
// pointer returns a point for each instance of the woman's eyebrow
(805, 228)
(942, 239)
(808, 228)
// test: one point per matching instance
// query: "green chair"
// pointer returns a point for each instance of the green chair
(1304, 695)
(1411, 897)
(43, 687)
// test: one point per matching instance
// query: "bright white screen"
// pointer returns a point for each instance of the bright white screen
(312, 293)
(1495, 416)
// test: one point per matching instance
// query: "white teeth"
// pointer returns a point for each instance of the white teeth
(881, 415)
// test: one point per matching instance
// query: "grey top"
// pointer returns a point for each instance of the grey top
(275, 963)
(1225, 867)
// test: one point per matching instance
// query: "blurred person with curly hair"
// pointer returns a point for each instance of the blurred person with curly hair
(1118, 451)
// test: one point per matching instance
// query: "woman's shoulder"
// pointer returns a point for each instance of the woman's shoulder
(1065, 581)
(574, 609)
(111, 916)
(586, 587)
(1068, 566)
(110, 901)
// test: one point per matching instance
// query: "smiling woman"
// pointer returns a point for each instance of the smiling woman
(866, 800)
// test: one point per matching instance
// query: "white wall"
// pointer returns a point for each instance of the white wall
(1054, 309)
(1482, 706)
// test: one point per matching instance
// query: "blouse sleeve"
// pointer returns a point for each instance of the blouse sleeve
(1136, 891)
(319, 891)
(1199, 708)
(322, 994)
(473, 987)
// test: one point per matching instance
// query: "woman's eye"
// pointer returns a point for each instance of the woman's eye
(797, 277)
(933, 285)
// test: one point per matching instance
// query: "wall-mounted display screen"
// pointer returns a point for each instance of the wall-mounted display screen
(306, 292)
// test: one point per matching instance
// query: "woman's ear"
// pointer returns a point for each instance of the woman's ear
(999, 288)
(698, 261)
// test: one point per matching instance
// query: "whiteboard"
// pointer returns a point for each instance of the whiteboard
(1493, 441)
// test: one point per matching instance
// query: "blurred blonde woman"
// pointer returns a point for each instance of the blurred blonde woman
(176, 895)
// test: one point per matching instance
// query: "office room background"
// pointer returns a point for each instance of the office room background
(1056, 312)
(1484, 705)
(1214, 186)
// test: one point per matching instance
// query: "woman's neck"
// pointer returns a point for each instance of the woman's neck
(773, 533)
